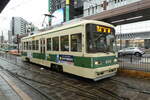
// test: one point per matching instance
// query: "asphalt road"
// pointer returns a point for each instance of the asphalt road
(57, 86)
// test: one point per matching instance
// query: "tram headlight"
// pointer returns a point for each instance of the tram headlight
(115, 60)
(97, 62)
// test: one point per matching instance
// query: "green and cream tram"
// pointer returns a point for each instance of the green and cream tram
(83, 48)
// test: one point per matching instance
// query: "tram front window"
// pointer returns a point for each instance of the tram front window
(99, 38)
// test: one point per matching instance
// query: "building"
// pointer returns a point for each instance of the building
(137, 39)
(92, 7)
(21, 27)
(71, 8)
(1, 39)
(10, 37)
(18, 25)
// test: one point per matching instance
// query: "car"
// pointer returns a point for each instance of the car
(137, 51)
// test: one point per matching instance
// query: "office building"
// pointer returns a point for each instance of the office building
(69, 8)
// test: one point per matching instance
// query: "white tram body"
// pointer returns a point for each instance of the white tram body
(83, 48)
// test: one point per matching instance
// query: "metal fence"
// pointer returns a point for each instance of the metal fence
(129, 62)
(132, 62)
(10, 58)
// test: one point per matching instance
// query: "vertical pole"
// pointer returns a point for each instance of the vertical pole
(120, 39)
(67, 10)
(2, 38)
(49, 10)
(18, 41)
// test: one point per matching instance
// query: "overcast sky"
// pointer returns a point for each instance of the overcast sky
(33, 10)
(30, 10)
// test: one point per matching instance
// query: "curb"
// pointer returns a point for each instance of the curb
(134, 73)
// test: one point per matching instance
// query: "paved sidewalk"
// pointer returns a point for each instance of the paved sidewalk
(6, 91)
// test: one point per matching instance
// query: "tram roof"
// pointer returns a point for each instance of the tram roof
(68, 25)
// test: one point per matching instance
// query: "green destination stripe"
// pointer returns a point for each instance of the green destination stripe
(89, 62)
(38, 55)
(86, 62)
(105, 61)
(82, 61)
(24, 53)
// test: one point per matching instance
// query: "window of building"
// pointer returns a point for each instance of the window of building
(55, 43)
(76, 42)
(65, 43)
(88, 11)
(92, 10)
(49, 44)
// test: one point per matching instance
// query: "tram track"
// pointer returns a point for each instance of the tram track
(64, 81)
(88, 95)
(79, 88)
(16, 77)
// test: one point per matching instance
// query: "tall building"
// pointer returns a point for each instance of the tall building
(1, 39)
(71, 8)
(18, 25)
(21, 27)
(10, 38)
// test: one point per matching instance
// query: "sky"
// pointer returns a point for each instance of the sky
(30, 10)
(33, 10)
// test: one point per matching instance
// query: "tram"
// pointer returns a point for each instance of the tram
(83, 48)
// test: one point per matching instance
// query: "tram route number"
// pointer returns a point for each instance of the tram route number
(103, 29)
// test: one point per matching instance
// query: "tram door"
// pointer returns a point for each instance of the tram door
(42, 45)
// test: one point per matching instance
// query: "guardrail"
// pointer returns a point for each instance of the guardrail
(11, 58)
(132, 62)
(129, 62)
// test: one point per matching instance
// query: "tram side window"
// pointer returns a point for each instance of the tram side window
(55, 43)
(76, 42)
(24, 46)
(49, 44)
(33, 45)
(30, 45)
(65, 43)
(37, 44)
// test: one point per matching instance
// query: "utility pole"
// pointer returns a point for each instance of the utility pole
(18, 42)
(2, 38)
(120, 38)
(49, 10)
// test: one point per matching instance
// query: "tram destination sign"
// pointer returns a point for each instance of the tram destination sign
(103, 29)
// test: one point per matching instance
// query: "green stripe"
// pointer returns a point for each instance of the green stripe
(38, 56)
(52, 58)
(24, 53)
(105, 61)
(86, 62)
(82, 61)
